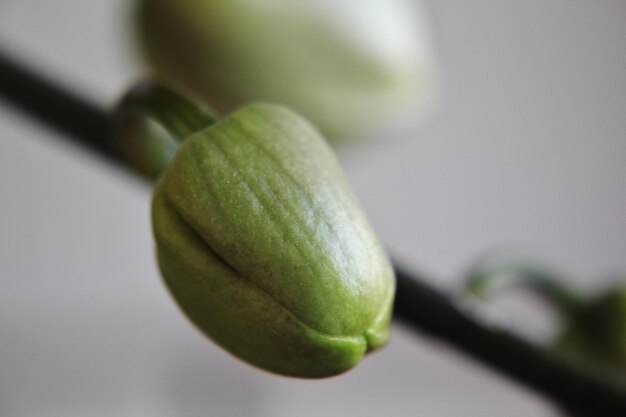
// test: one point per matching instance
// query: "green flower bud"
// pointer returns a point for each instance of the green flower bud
(346, 66)
(265, 248)
(597, 332)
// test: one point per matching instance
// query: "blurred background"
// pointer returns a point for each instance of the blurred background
(525, 150)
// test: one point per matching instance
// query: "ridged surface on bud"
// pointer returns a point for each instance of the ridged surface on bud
(266, 249)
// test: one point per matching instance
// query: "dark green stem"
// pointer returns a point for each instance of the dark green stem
(180, 116)
(571, 385)
(81, 121)
(417, 304)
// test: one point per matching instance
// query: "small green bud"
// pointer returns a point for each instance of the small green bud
(348, 67)
(597, 332)
(265, 248)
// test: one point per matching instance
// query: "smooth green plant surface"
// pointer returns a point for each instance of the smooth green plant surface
(264, 246)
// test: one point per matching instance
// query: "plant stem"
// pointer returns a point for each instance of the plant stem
(181, 117)
(417, 304)
(429, 311)
(144, 147)
(81, 121)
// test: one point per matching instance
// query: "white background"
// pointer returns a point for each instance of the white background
(527, 149)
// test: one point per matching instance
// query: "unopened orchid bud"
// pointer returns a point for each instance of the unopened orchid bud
(263, 244)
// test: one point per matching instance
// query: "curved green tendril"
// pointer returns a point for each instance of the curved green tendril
(150, 121)
(551, 287)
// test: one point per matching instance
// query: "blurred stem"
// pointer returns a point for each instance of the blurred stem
(567, 383)
(81, 121)
(418, 305)
(180, 116)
